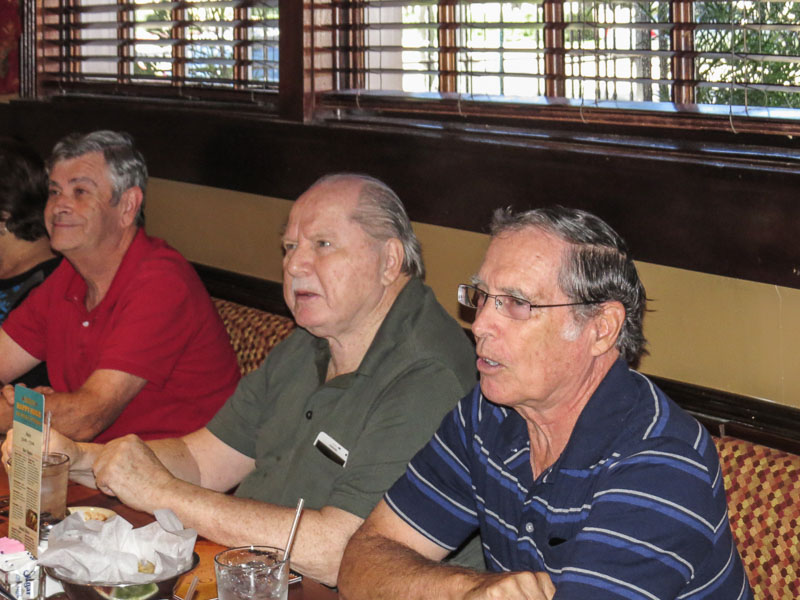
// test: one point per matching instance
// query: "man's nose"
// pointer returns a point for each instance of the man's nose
(58, 202)
(486, 319)
(298, 261)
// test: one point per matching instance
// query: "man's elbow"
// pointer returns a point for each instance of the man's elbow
(330, 573)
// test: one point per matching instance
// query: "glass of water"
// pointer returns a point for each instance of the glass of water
(53, 498)
(252, 573)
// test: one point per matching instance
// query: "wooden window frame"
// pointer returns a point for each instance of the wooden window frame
(356, 104)
(305, 95)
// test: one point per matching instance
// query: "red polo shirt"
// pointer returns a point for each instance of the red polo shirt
(156, 322)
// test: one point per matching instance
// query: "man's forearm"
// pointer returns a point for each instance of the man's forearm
(176, 457)
(376, 568)
(69, 415)
(77, 416)
(321, 535)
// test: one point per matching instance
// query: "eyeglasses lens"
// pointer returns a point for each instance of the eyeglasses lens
(477, 297)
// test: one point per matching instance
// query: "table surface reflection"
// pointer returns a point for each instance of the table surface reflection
(78, 495)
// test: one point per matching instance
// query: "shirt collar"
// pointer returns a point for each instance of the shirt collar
(385, 341)
(76, 288)
(601, 420)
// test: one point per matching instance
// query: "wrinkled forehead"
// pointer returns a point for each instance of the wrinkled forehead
(527, 259)
(91, 164)
(324, 207)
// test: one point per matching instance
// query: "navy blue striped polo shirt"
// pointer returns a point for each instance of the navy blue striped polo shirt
(633, 508)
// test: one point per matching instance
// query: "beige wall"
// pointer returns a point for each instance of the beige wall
(718, 332)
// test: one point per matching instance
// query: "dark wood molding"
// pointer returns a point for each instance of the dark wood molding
(244, 289)
(724, 205)
(722, 413)
(612, 116)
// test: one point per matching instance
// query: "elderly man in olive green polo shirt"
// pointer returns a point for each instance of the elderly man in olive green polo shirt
(335, 412)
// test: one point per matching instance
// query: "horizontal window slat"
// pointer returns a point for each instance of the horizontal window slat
(159, 59)
(59, 9)
(67, 44)
(111, 24)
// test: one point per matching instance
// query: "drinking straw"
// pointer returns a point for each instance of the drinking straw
(47, 433)
(290, 541)
(192, 587)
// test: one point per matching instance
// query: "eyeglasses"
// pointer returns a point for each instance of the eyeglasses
(508, 306)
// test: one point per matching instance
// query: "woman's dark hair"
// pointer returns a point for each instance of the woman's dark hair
(23, 190)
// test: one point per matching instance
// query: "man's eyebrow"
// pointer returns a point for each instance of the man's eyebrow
(83, 179)
(506, 291)
(517, 293)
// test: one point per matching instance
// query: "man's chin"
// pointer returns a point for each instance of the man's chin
(308, 321)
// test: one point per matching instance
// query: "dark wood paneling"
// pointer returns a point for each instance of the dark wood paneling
(743, 417)
(709, 206)
(244, 289)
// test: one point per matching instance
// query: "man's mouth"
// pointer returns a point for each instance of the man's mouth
(488, 362)
(304, 295)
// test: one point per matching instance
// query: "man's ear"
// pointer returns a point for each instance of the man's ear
(607, 325)
(392, 255)
(129, 203)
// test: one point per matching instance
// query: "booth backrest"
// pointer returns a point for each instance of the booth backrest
(763, 488)
(253, 332)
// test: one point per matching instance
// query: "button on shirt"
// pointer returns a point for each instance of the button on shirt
(633, 508)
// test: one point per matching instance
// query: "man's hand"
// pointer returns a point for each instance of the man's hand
(8, 392)
(129, 469)
(79, 458)
(523, 585)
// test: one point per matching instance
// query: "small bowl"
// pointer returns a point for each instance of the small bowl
(161, 588)
(92, 513)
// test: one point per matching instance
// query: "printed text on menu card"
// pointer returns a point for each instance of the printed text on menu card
(26, 468)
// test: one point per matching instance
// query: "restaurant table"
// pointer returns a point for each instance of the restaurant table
(78, 495)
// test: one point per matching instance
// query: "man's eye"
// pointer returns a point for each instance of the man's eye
(53, 192)
(289, 246)
(323, 244)
(516, 301)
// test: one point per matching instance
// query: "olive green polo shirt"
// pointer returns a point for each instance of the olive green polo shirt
(418, 366)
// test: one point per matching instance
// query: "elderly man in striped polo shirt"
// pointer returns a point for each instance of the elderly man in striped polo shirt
(584, 480)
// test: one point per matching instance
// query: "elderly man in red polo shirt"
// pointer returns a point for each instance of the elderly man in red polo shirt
(132, 341)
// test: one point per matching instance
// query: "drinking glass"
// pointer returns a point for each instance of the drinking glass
(252, 573)
(53, 496)
(53, 499)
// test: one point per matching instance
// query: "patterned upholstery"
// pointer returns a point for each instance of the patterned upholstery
(253, 332)
(763, 488)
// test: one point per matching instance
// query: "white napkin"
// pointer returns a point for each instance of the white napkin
(109, 551)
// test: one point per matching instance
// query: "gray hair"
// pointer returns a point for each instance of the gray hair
(597, 267)
(381, 214)
(126, 164)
